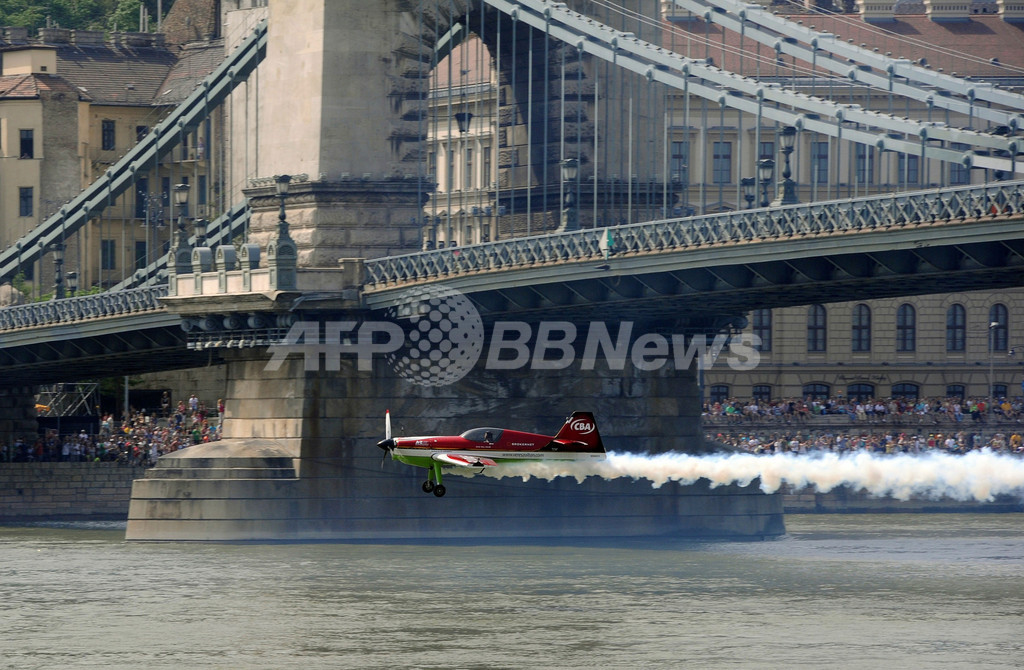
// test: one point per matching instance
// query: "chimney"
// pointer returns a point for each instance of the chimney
(877, 11)
(55, 35)
(87, 38)
(947, 10)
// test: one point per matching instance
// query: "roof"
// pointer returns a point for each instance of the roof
(981, 45)
(34, 85)
(118, 74)
(196, 61)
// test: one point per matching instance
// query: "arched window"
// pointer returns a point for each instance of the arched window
(762, 328)
(999, 333)
(955, 391)
(816, 328)
(816, 391)
(861, 331)
(718, 393)
(860, 391)
(956, 328)
(906, 390)
(906, 328)
(762, 392)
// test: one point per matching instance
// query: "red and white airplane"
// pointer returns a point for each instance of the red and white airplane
(481, 448)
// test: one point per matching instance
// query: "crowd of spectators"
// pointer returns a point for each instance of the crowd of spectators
(139, 439)
(891, 411)
(889, 441)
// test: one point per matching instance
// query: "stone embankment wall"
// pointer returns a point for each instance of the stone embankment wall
(40, 491)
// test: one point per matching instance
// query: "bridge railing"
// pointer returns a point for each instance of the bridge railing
(775, 223)
(80, 308)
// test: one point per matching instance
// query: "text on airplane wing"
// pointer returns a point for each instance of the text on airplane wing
(463, 460)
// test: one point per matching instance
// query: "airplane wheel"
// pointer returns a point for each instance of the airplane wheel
(428, 486)
(439, 491)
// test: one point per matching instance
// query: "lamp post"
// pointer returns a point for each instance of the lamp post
(749, 186)
(73, 282)
(765, 170)
(570, 173)
(182, 250)
(58, 265)
(200, 226)
(282, 252)
(786, 194)
(991, 350)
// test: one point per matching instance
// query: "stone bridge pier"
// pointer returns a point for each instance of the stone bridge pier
(299, 460)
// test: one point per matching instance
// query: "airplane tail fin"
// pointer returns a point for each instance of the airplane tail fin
(580, 434)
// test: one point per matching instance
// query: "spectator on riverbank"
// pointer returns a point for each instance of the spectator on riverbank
(139, 440)
(884, 442)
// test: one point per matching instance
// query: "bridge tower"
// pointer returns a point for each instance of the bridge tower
(338, 95)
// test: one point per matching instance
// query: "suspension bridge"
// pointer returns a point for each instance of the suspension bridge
(612, 92)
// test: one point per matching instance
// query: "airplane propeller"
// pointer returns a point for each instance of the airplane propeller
(388, 443)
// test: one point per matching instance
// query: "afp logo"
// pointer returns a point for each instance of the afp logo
(582, 426)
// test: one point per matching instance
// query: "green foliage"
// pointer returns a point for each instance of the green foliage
(80, 14)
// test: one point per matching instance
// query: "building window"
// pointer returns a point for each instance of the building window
(906, 328)
(761, 392)
(762, 328)
(721, 166)
(906, 390)
(865, 164)
(108, 255)
(959, 173)
(998, 337)
(999, 390)
(956, 328)
(201, 193)
(25, 203)
(467, 178)
(860, 391)
(28, 143)
(861, 330)
(141, 132)
(910, 169)
(449, 181)
(817, 391)
(140, 254)
(487, 167)
(819, 162)
(718, 393)
(108, 138)
(680, 166)
(766, 150)
(956, 391)
(816, 328)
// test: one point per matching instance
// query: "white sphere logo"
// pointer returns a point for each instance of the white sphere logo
(444, 336)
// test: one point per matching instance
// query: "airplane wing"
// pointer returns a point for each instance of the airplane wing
(463, 460)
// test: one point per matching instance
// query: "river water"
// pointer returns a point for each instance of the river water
(863, 591)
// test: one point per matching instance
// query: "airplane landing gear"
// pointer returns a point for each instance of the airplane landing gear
(434, 474)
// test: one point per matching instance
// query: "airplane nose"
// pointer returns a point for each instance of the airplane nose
(386, 444)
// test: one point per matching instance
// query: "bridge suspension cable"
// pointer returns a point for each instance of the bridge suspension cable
(211, 92)
(825, 50)
(791, 108)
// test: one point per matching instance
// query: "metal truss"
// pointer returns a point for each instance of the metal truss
(770, 101)
(838, 218)
(162, 139)
(824, 50)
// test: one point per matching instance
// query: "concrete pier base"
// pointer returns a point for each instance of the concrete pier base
(299, 462)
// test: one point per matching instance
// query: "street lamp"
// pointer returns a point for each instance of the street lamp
(749, 185)
(991, 349)
(200, 228)
(787, 187)
(765, 170)
(73, 282)
(570, 173)
(58, 264)
(462, 120)
(282, 181)
(182, 250)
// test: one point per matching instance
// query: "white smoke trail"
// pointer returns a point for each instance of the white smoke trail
(977, 475)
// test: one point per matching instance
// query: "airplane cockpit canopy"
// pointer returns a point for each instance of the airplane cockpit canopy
(483, 434)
